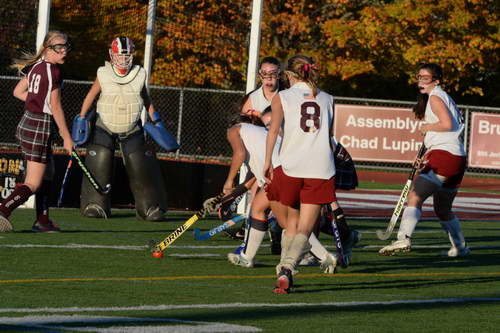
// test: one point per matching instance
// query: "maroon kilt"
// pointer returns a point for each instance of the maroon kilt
(346, 177)
(34, 134)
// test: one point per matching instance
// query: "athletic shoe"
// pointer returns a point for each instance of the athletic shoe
(457, 252)
(5, 225)
(236, 234)
(284, 282)
(309, 260)
(94, 211)
(45, 227)
(239, 260)
(403, 245)
(329, 264)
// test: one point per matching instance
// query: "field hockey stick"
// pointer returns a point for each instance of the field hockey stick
(66, 173)
(341, 258)
(89, 175)
(238, 191)
(160, 247)
(218, 229)
(383, 235)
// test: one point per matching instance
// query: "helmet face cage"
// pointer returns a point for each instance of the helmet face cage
(121, 54)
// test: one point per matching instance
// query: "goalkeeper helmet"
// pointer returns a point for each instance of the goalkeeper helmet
(121, 54)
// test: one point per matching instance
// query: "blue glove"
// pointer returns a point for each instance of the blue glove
(156, 120)
(161, 136)
(80, 130)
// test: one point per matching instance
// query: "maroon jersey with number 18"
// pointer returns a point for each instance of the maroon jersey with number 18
(43, 77)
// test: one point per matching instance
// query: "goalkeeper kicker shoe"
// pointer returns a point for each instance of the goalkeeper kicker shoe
(239, 260)
(401, 245)
(5, 225)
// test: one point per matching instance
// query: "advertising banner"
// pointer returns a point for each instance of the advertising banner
(484, 147)
(372, 133)
(11, 172)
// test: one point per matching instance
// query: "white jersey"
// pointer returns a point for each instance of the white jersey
(305, 150)
(259, 100)
(254, 139)
(452, 140)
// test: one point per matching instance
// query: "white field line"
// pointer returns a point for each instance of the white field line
(469, 205)
(187, 247)
(81, 323)
(164, 307)
(116, 247)
(465, 202)
(370, 205)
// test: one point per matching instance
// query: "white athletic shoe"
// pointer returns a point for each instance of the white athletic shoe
(239, 260)
(309, 260)
(403, 245)
(456, 252)
(329, 264)
(5, 225)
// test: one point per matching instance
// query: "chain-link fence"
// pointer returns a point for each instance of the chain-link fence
(197, 117)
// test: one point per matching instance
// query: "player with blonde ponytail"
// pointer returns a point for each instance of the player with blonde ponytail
(305, 180)
(40, 89)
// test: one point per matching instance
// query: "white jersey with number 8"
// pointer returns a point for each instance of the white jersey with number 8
(305, 150)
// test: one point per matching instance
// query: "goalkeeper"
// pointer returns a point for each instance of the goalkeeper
(123, 94)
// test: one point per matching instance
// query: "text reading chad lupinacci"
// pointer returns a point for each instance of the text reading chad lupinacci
(407, 125)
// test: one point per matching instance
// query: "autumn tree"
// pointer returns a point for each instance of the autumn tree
(202, 43)
(91, 26)
(388, 40)
(365, 48)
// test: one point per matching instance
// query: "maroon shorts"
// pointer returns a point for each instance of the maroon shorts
(292, 191)
(34, 134)
(445, 164)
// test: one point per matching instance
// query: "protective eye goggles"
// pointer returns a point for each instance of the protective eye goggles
(269, 75)
(59, 48)
(425, 78)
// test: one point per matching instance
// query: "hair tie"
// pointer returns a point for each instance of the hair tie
(307, 67)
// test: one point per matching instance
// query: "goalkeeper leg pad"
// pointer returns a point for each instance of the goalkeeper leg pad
(146, 183)
(99, 161)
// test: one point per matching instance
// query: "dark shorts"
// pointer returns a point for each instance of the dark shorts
(445, 164)
(34, 134)
(292, 191)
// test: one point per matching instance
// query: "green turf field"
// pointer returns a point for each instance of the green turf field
(97, 276)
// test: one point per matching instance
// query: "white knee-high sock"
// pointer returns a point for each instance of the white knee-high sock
(298, 245)
(410, 218)
(254, 238)
(317, 248)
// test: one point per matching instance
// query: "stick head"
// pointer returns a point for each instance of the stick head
(382, 235)
(153, 246)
